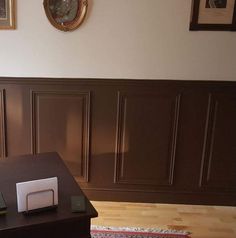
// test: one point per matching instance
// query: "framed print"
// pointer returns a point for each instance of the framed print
(7, 14)
(66, 15)
(215, 15)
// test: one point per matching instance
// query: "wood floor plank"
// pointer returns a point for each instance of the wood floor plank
(201, 221)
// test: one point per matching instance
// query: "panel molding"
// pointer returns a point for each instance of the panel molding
(3, 124)
(120, 141)
(86, 125)
(208, 142)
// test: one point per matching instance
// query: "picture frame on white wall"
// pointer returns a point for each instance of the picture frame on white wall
(7, 14)
(213, 15)
(66, 15)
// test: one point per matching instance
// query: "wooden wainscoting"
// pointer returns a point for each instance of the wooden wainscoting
(129, 140)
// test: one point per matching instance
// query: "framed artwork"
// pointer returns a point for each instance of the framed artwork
(213, 15)
(7, 14)
(66, 15)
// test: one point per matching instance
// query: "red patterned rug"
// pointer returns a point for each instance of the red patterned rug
(123, 232)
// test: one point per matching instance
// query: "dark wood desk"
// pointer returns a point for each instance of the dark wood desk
(56, 223)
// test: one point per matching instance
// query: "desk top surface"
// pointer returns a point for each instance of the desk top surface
(32, 167)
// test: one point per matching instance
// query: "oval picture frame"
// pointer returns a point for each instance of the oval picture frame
(66, 15)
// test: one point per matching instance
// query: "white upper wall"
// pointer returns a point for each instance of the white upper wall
(136, 39)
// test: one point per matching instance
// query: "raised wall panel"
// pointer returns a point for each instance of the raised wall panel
(3, 150)
(147, 126)
(219, 150)
(60, 122)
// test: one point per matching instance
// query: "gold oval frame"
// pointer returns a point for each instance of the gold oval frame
(81, 13)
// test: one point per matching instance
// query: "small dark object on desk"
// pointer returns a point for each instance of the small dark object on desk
(78, 204)
(3, 206)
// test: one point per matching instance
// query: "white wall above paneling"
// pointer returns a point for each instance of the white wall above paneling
(136, 39)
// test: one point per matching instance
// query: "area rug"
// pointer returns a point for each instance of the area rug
(131, 232)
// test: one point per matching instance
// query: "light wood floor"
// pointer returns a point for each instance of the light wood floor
(201, 221)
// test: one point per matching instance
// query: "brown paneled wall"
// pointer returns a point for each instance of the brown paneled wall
(129, 140)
